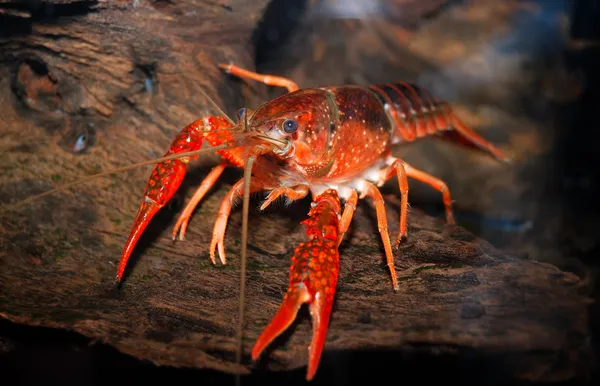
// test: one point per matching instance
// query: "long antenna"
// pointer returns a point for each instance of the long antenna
(125, 168)
(216, 106)
(246, 205)
(245, 211)
(117, 170)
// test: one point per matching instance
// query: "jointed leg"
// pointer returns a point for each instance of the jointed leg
(206, 184)
(221, 223)
(270, 80)
(295, 193)
(435, 183)
(372, 191)
(349, 208)
(398, 168)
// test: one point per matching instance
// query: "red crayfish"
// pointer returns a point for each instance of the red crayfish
(332, 142)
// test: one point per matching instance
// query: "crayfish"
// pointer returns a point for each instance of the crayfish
(334, 143)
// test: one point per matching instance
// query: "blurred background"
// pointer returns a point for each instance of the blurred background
(524, 74)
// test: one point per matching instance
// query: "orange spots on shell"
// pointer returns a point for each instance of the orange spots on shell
(360, 138)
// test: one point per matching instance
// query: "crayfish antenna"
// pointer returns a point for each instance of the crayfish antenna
(168, 157)
(216, 106)
(107, 173)
(254, 152)
(243, 258)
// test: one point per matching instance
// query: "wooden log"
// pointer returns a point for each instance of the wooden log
(110, 86)
(59, 260)
(88, 69)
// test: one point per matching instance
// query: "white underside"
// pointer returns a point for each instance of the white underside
(373, 175)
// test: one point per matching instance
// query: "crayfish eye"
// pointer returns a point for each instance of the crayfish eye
(290, 126)
(240, 113)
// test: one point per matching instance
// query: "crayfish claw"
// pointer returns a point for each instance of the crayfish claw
(291, 194)
(284, 317)
(320, 312)
(168, 175)
(179, 229)
(401, 238)
(313, 278)
(162, 185)
(217, 240)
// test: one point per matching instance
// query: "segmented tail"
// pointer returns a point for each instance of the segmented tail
(415, 113)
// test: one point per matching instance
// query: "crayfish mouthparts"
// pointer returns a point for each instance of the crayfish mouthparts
(287, 151)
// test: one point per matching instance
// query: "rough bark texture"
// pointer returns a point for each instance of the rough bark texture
(108, 84)
(58, 268)
(99, 66)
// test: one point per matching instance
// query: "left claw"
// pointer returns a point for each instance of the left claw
(313, 278)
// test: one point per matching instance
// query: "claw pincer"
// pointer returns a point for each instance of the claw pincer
(313, 278)
(167, 176)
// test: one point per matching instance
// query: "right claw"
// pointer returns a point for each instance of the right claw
(313, 278)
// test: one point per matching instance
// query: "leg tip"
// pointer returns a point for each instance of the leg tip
(176, 235)
(507, 159)
(118, 284)
(179, 230)
(395, 284)
(400, 239)
(226, 67)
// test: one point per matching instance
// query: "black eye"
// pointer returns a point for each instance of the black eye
(290, 126)
(241, 113)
